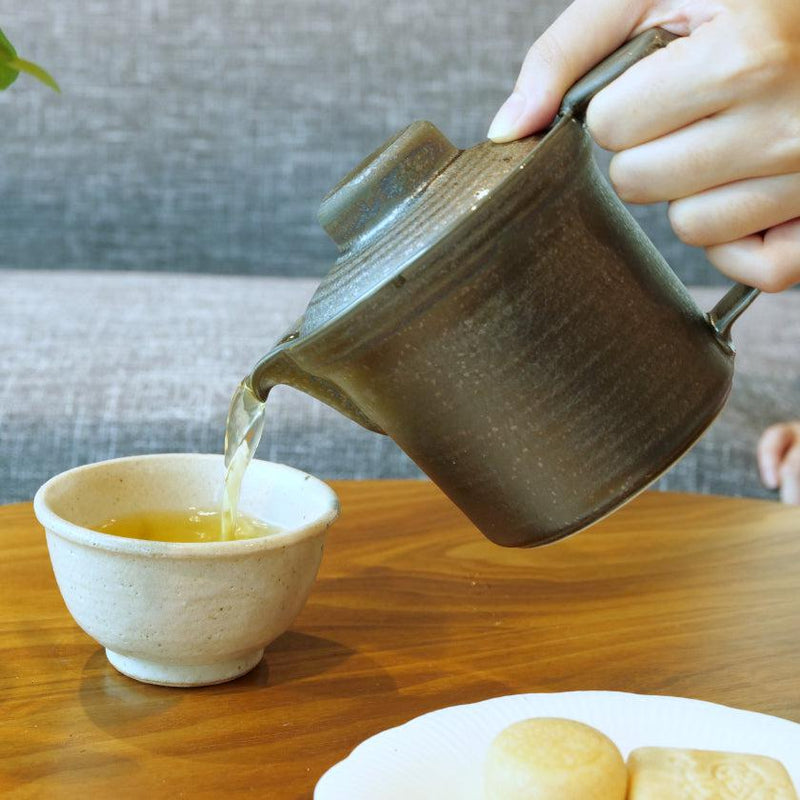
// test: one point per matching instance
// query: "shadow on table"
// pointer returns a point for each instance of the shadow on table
(127, 709)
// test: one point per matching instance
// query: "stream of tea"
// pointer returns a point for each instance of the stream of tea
(243, 430)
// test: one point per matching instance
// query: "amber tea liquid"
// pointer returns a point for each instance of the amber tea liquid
(243, 430)
(193, 525)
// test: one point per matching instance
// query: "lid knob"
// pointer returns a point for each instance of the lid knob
(378, 188)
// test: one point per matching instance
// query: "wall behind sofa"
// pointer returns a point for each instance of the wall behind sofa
(199, 136)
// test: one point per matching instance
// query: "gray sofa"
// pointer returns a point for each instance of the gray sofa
(159, 232)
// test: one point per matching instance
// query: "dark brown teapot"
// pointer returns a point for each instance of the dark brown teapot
(501, 316)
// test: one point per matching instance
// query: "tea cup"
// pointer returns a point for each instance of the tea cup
(179, 613)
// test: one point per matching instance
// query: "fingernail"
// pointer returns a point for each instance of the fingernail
(502, 127)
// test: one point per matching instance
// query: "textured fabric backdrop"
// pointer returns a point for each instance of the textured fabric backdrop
(200, 136)
(98, 365)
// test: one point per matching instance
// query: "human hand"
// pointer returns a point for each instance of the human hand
(779, 460)
(711, 123)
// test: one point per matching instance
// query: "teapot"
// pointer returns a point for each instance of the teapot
(499, 314)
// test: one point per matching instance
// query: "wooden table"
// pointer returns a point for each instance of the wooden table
(413, 610)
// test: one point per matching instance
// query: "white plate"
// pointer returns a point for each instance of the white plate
(440, 755)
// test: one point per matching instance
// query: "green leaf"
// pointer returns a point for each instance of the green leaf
(6, 46)
(11, 65)
(7, 53)
(34, 69)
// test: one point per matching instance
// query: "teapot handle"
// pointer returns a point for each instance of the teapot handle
(574, 105)
(577, 99)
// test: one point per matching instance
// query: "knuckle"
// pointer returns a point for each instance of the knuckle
(701, 160)
(777, 58)
(784, 148)
(753, 66)
(546, 50)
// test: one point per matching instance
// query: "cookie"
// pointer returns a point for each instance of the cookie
(662, 773)
(554, 759)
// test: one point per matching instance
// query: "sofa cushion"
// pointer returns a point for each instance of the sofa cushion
(103, 364)
(98, 365)
(202, 136)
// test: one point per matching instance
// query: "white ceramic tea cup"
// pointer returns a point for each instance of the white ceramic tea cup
(183, 614)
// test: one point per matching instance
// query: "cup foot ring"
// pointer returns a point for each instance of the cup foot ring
(162, 674)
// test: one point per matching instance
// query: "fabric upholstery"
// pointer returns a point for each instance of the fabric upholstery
(200, 136)
(100, 364)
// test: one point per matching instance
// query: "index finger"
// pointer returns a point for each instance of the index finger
(586, 32)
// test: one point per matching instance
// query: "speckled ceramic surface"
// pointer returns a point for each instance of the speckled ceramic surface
(498, 313)
(181, 614)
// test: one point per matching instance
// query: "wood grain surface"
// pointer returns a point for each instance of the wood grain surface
(413, 610)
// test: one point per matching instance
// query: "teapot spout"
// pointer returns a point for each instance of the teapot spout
(278, 367)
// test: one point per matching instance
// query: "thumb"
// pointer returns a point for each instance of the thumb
(579, 39)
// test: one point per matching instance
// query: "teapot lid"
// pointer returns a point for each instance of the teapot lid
(410, 193)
